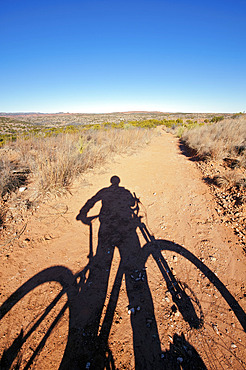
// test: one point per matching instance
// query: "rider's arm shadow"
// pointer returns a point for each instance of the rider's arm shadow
(82, 215)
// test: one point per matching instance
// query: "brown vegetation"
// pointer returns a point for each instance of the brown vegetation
(226, 139)
(224, 143)
(34, 167)
(63, 119)
(53, 162)
(47, 160)
(221, 148)
(178, 208)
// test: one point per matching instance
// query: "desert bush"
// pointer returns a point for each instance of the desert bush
(220, 140)
(217, 119)
(5, 138)
(13, 172)
(189, 125)
(53, 161)
(179, 120)
(229, 179)
(152, 123)
(54, 156)
(6, 178)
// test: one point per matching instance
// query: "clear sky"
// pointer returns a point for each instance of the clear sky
(120, 55)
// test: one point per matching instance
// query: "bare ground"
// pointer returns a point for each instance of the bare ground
(175, 304)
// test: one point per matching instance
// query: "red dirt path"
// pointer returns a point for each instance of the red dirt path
(179, 208)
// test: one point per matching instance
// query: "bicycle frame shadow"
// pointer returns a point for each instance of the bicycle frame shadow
(157, 246)
(88, 332)
(64, 276)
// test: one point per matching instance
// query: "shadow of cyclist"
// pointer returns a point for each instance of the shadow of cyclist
(117, 229)
(89, 328)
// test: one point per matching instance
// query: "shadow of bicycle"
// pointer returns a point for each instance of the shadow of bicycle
(80, 299)
(86, 344)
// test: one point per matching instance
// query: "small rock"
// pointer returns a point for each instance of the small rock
(233, 345)
(22, 188)
(215, 329)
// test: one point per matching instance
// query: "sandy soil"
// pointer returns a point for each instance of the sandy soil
(176, 304)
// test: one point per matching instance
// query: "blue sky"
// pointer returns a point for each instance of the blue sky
(113, 55)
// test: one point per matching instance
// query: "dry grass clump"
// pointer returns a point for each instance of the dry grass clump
(2, 214)
(229, 179)
(219, 141)
(223, 145)
(223, 142)
(52, 163)
(13, 173)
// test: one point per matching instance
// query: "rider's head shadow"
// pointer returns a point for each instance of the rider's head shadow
(88, 328)
(116, 216)
(118, 225)
(119, 221)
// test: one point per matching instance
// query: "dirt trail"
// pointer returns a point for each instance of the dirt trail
(179, 209)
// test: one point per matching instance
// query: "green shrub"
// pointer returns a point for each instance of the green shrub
(217, 119)
(179, 120)
(5, 138)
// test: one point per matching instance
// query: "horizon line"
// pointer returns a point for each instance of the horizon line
(114, 112)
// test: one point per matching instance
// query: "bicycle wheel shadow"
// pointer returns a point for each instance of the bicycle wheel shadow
(161, 245)
(79, 350)
(85, 349)
(89, 321)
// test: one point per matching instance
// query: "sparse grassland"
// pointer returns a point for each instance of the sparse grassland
(52, 156)
(48, 157)
(64, 119)
(46, 153)
(53, 149)
(48, 164)
(53, 161)
(222, 141)
(12, 125)
(220, 147)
